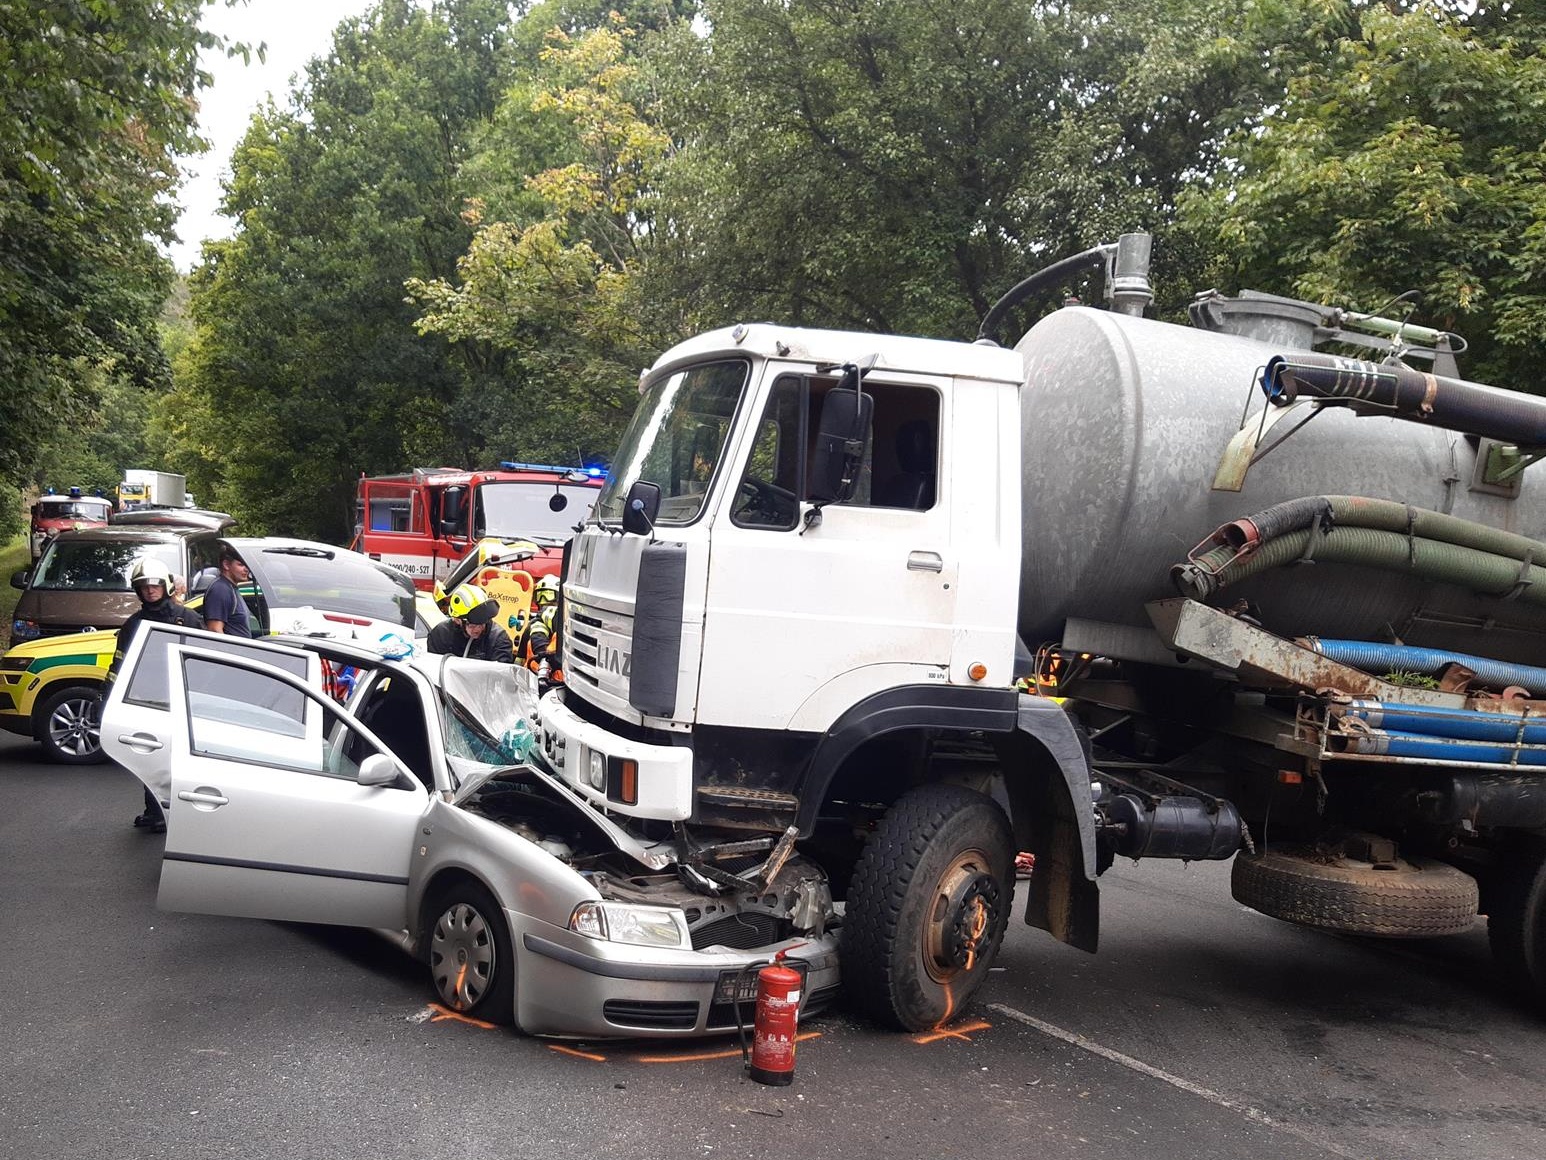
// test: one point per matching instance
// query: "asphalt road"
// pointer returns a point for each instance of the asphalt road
(1200, 1031)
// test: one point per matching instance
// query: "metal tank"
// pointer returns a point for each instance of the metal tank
(1125, 422)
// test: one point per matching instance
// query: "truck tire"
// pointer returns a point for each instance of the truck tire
(1417, 899)
(69, 725)
(1516, 921)
(927, 907)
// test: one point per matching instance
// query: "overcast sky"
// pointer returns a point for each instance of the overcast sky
(294, 31)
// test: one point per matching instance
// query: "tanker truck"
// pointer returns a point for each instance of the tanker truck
(891, 610)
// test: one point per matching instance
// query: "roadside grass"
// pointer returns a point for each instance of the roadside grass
(13, 555)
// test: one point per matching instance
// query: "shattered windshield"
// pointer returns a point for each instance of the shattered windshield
(676, 440)
(486, 714)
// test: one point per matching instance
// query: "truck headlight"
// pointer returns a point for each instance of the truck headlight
(596, 775)
(622, 922)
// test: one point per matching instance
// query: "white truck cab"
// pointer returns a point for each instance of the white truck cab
(780, 584)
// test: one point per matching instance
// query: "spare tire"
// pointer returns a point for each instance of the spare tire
(1417, 898)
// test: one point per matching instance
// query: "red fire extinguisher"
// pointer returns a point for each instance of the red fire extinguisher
(775, 1023)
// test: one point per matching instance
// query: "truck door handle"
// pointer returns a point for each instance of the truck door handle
(203, 797)
(141, 742)
(925, 562)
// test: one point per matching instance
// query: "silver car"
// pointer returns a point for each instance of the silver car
(317, 781)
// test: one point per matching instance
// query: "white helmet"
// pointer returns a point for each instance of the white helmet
(149, 570)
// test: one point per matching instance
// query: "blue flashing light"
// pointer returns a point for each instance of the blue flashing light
(594, 472)
(591, 472)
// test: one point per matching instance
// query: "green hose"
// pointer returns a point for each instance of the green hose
(1390, 516)
(1488, 573)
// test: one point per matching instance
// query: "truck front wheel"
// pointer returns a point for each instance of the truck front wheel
(928, 906)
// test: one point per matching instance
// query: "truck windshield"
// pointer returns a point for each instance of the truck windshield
(516, 509)
(71, 510)
(676, 440)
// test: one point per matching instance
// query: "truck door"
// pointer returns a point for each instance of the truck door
(862, 601)
(395, 528)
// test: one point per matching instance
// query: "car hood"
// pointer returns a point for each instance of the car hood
(70, 644)
(56, 607)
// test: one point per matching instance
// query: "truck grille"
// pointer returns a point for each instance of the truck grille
(590, 635)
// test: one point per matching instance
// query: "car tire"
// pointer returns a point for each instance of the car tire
(471, 964)
(927, 907)
(1417, 898)
(69, 725)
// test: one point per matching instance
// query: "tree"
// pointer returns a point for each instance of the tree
(99, 100)
(552, 303)
(897, 164)
(1410, 156)
(304, 370)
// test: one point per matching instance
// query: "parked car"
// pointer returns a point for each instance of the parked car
(526, 904)
(81, 581)
(50, 687)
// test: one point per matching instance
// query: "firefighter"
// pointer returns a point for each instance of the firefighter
(471, 631)
(539, 644)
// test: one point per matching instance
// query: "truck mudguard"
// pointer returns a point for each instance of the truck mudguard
(1045, 720)
(904, 707)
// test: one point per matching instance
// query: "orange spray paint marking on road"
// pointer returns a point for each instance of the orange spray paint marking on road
(577, 1053)
(443, 1013)
(952, 1032)
(701, 1055)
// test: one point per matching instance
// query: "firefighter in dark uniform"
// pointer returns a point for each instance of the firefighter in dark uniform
(471, 631)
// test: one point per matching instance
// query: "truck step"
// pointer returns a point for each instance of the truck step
(746, 798)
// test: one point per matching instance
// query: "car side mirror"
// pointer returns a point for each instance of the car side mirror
(377, 769)
(641, 507)
(839, 452)
(19, 579)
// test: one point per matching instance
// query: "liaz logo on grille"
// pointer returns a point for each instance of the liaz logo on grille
(612, 659)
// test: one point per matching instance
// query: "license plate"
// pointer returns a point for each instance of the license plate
(743, 984)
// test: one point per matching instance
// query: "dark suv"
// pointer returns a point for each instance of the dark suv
(81, 581)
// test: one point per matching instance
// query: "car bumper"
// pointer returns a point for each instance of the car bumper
(585, 988)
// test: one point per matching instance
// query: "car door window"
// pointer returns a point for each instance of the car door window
(147, 684)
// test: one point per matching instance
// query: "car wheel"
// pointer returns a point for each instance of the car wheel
(69, 724)
(471, 964)
(928, 906)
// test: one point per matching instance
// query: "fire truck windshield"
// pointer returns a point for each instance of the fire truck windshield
(518, 509)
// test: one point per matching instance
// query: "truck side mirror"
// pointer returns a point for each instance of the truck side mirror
(19, 579)
(641, 507)
(846, 415)
(453, 511)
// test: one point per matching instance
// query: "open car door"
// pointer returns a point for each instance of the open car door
(138, 719)
(284, 805)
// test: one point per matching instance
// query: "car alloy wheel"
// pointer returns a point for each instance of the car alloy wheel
(71, 729)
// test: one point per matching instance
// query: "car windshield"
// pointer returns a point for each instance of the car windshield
(84, 564)
(676, 440)
(513, 509)
(78, 509)
(342, 582)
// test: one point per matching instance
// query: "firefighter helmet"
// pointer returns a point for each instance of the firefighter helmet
(470, 603)
(149, 570)
(546, 591)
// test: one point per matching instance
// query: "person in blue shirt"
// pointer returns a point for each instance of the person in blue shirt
(224, 609)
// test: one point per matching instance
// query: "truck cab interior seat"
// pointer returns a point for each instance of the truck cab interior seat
(913, 486)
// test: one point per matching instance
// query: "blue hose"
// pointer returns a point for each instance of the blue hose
(1459, 724)
(1442, 750)
(1385, 658)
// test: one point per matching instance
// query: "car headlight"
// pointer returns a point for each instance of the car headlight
(622, 922)
(15, 664)
(24, 630)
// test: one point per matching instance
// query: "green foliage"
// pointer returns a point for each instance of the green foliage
(1410, 155)
(552, 303)
(99, 98)
(304, 368)
(1409, 680)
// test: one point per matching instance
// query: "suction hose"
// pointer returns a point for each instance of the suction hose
(1375, 658)
(1454, 404)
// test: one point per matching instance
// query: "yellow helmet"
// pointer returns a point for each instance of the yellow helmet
(546, 591)
(471, 603)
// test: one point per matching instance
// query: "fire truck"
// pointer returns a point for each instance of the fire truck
(423, 521)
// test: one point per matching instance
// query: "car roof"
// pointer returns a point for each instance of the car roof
(132, 534)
